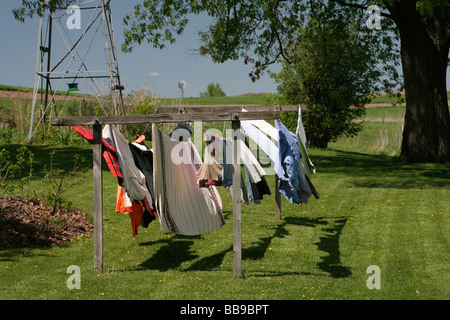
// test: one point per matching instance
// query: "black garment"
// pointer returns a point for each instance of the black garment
(263, 187)
(147, 218)
(259, 190)
(143, 159)
(227, 170)
(182, 132)
(311, 186)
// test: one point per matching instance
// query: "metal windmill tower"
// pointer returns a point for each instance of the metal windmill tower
(71, 66)
(182, 86)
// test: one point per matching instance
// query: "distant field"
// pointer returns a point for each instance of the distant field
(30, 90)
(259, 99)
(249, 98)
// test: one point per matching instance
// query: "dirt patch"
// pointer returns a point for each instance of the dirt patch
(27, 222)
(29, 95)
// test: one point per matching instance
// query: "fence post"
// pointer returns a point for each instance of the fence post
(237, 239)
(277, 191)
(277, 200)
(98, 198)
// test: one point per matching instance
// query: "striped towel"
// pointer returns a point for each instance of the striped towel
(182, 206)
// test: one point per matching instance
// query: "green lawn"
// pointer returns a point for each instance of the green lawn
(260, 99)
(372, 211)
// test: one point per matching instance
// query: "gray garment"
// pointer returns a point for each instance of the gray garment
(227, 171)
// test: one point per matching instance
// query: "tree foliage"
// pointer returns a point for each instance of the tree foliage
(213, 90)
(333, 73)
(30, 8)
(259, 32)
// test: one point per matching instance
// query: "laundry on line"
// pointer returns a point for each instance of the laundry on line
(181, 193)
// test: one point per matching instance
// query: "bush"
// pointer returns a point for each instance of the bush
(333, 74)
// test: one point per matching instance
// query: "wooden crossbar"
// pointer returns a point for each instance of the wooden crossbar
(184, 114)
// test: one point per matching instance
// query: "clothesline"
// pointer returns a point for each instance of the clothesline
(181, 180)
(184, 114)
(158, 203)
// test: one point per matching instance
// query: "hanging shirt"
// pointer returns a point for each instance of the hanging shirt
(292, 182)
(132, 208)
(300, 133)
(256, 189)
(262, 132)
(210, 172)
(263, 126)
(262, 140)
(109, 152)
(307, 168)
(143, 159)
(133, 179)
(182, 206)
(227, 170)
(288, 162)
(136, 210)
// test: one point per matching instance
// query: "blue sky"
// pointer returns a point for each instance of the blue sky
(145, 68)
(158, 71)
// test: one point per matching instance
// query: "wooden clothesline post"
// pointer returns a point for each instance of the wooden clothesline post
(237, 232)
(234, 114)
(277, 200)
(277, 192)
(98, 198)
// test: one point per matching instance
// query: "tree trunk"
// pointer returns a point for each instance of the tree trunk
(424, 51)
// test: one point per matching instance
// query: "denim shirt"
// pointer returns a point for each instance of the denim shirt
(288, 162)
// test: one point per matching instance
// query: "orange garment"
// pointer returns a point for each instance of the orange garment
(123, 203)
(132, 208)
(136, 216)
(140, 139)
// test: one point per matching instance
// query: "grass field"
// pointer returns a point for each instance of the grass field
(261, 99)
(249, 98)
(373, 210)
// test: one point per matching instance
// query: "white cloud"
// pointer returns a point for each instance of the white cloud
(154, 74)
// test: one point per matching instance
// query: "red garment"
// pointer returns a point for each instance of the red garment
(109, 152)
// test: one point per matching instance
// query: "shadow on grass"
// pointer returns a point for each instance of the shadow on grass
(177, 250)
(257, 250)
(172, 254)
(373, 171)
(378, 171)
(329, 243)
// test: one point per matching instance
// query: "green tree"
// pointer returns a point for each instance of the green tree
(333, 74)
(259, 31)
(213, 90)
